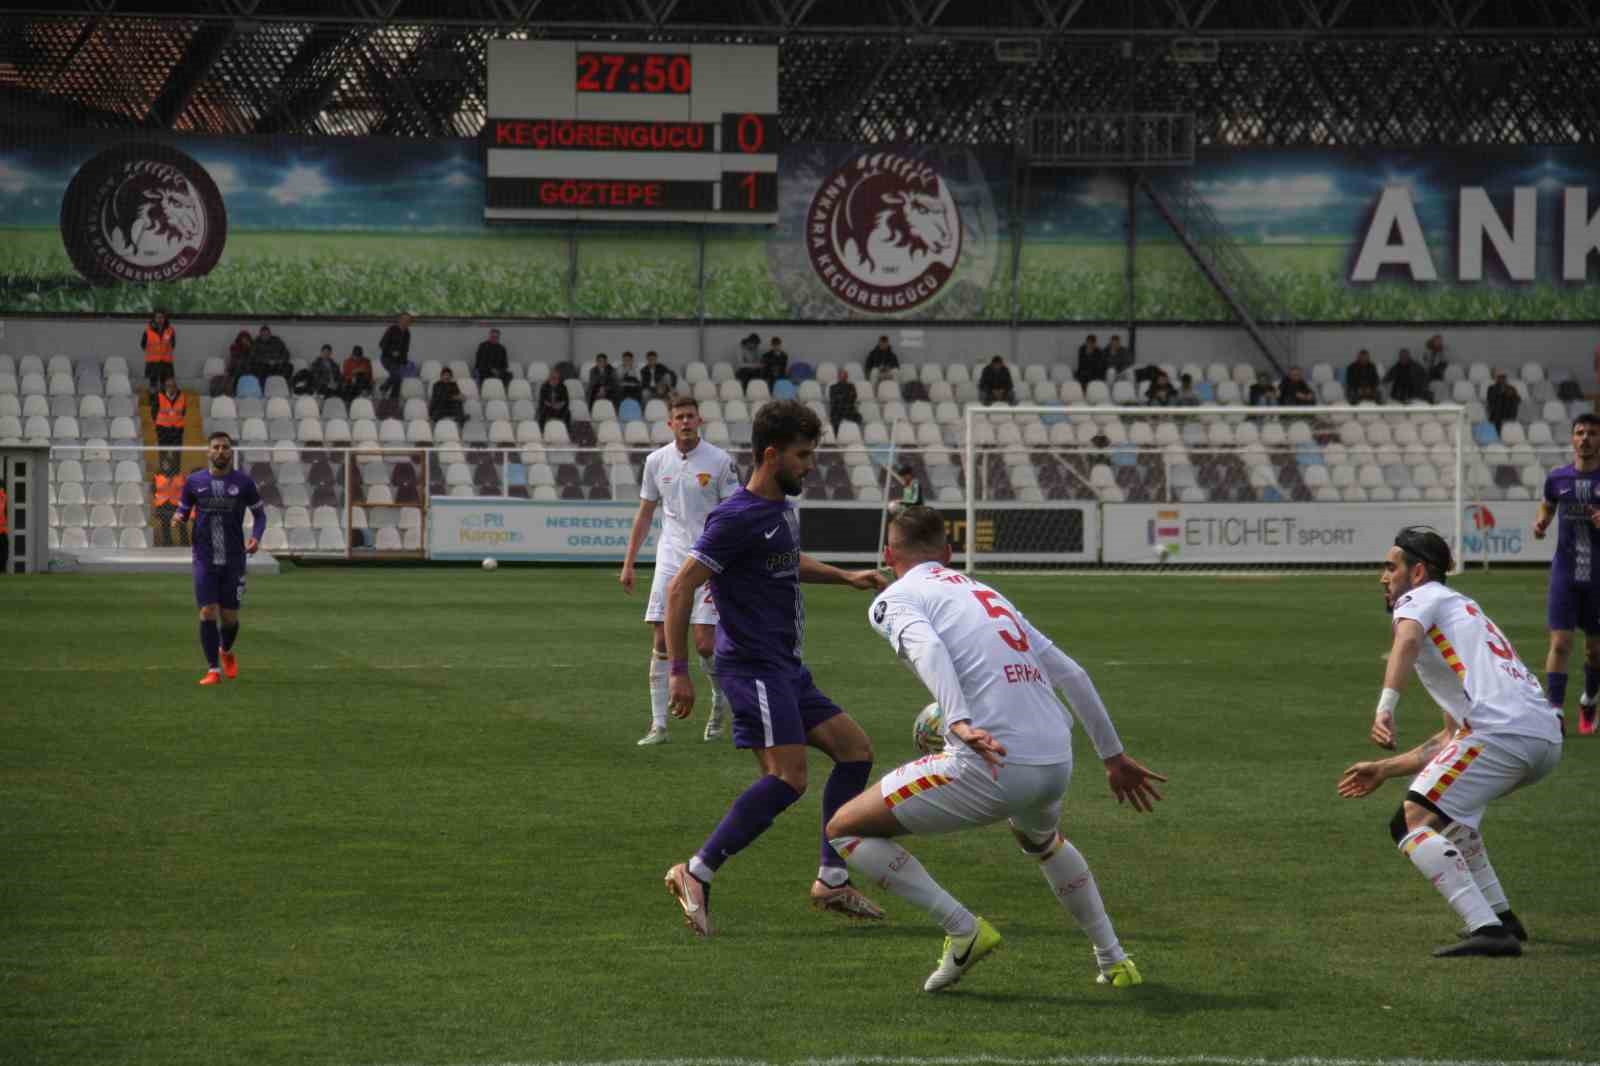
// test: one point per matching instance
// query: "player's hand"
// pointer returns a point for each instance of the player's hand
(626, 578)
(1538, 530)
(680, 696)
(1383, 731)
(869, 580)
(250, 546)
(988, 748)
(1131, 782)
(1360, 780)
(1594, 517)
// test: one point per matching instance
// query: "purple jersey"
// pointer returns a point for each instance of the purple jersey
(218, 504)
(752, 547)
(1574, 495)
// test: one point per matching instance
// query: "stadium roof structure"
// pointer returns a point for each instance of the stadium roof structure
(1291, 73)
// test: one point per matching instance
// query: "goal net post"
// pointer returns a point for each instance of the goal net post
(1267, 488)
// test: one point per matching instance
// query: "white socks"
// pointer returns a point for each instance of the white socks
(897, 869)
(1068, 873)
(1470, 843)
(1441, 862)
(708, 663)
(659, 676)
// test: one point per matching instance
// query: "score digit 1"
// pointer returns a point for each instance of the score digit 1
(748, 133)
(750, 190)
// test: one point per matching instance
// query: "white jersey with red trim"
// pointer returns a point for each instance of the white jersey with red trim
(687, 487)
(1470, 668)
(995, 653)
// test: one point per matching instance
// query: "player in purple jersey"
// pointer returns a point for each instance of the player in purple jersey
(750, 552)
(217, 498)
(1572, 495)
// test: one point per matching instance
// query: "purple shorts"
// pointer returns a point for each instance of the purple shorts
(222, 585)
(775, 709)
(1574, 605)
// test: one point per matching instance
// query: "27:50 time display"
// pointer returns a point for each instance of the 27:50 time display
(634, 72)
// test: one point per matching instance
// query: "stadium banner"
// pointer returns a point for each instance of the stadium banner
(1006, 532)
(1300, 534)
(516, 530)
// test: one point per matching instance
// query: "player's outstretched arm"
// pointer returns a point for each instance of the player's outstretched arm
(1542, 519)
(680, 606)
(1133, 783)
(1082, 697)
(641, 526)
(1402, 658)
(817, 573)
(1363, 778)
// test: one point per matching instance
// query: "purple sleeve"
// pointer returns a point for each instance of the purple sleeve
(722, 541)
(1550, 489)
(186, 501)
(258, 510)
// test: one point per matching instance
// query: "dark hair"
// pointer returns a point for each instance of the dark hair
(779, 423)
(681, 399)
(355, 349)
(220, 433)
(1423, 544)
(920, 529)
(1588, 418)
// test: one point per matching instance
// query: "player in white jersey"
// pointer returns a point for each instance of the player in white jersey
(686, 479)
(1499, 734)
(1008, 754)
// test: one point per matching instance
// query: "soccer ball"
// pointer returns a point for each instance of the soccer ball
(1162, 552)
(927, 732)
(490, 564)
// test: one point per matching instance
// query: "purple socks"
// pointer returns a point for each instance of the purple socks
(1555, 684)
(210, 641)
(749, 816)
(844, 784)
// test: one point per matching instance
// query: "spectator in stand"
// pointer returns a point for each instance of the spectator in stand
(749, 359)
(357, 374)
(394, 352)
(1264, 393)
(1407, 380)
(1118, 358)
(629, 385)
(491, 361)
(994, 384)
(1091, 361)
(322, 376)
(910, 489)
(656, 378)
(881, 362)
(1361, 379)
(1187, 397)
(1433, 357)
(1502, 401)
(170, 412)
(1295, 390)
(167, 495)
(842, 401)
(602, 380)
(553, 400)
(446, 401)
(775, 362)
(158, 341)
(1161, 393)
(269, 356)
(239, 358)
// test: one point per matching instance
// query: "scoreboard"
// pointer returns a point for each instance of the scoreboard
(632, 132)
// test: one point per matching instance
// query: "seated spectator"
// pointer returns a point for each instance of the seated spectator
(602, 380)
(994, 384)
(749, 359)
(1407, 380)
(322, 377)
(553, 400)
(1091, 361)
(1187, 397)
(1161, 393)
(491, 361)
(269, 356)
(1361, 378)
(239, 358)
(1502, 400)
(629, 384)
(1117, 357)
(881, 362)
(656, 378)
(357, 374)
(446, 401)
(1568, 390)
(1295, 390)
(775, 362)
(394, 352)
(910, 489)
(842, 401)
(1433, 358)
(1264, 393)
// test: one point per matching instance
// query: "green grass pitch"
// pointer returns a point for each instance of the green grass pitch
(417, 830)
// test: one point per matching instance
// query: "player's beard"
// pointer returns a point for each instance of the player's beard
(791, 484)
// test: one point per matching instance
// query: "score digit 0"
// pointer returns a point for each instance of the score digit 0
(748, 133)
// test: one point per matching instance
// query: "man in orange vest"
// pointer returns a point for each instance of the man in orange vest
(158, 342)
(172, 409)
(168, 495)
(5, 533)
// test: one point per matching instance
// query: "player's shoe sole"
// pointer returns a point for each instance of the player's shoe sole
(843, 900)
(1588, 719)
(211, 678)
(655, 736)
(1510, 922)
(962, 954)
(1122, 974)
(1500, 944)
(230, 665)
(691, 897)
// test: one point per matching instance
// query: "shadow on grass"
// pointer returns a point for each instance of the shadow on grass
(1155, 999)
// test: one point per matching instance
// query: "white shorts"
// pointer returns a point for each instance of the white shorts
(1474, 769)
(705, 610)
(946, 792)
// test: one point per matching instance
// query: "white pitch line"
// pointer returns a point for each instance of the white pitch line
(1059, 1060)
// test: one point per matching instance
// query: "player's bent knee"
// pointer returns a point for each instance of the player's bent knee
(1397, 824)
(1419, 812)
(1035, 844)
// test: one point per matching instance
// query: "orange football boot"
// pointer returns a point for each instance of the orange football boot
(230, 665)
(211, 678)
